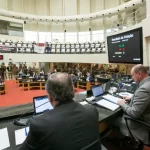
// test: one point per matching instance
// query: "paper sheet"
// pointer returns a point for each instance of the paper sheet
(111, 98)
(20, 135)
(123, 94)
(4, 140)
(107, 104)
(83, 103)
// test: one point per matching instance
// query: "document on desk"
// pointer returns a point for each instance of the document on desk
(107, 104)
(83, 103)
(123, 94)
(20, 135)
(4, 140)
(111, 98)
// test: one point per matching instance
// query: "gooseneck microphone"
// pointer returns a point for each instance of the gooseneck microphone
(23, 122)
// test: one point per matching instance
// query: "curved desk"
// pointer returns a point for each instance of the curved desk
(33, 84)
(7, 115)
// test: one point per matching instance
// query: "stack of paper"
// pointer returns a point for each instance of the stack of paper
(107, 104)
(111, 98)
(20, 135)
(4, 140)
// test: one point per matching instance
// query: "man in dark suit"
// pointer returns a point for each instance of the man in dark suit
(69, 126)
(138, 106)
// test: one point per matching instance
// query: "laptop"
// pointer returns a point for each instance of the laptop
(41, 104)
(97, 92)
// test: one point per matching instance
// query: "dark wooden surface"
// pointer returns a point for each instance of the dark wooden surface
(9, 114)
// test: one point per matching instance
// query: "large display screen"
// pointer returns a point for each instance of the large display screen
(126, 47)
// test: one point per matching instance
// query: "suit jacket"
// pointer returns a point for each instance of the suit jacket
(70, 126)
(90, 79)
(139, 108)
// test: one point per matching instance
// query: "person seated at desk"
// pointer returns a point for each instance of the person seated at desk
(36, 77)
(21, 73)
(31, 71)
(1, 80)
(138, 106)
(89, 78)
(69, 126)
(42, 72)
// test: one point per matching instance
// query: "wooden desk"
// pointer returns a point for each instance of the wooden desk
(8, 114)
(19, 82)
(31, 85)
(2, 89)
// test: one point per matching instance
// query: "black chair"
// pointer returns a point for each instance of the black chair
(138, 143)
(94, 146)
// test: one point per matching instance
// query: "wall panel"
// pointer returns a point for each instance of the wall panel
(56, 7)
(17, 5)
(3, 4)
(76, 58)
(41, 7)
(9, 5)
(71, 27)
(57, 27)
(110, 3)
(27, 6)
(70, 7)
(84, 6)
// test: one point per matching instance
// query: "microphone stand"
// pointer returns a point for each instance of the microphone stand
(24, 122)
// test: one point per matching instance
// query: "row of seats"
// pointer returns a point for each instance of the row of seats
(54, 48)
(76, 45)
(11, 44)
(74, 50)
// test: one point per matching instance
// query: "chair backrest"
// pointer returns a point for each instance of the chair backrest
(93, 146)
(147, 126)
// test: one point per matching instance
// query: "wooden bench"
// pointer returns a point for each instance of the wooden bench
(32, 85)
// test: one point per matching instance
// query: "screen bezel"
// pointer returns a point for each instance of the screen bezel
(44, 96)
(141, 47)
(96, 87)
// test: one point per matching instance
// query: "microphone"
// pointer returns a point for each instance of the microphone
(24, 122)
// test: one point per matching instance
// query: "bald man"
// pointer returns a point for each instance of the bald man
(139, 105)
(69, 126)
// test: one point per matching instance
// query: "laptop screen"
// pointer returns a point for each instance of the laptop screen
(97, 90)
(41, 104)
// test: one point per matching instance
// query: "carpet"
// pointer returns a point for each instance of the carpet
(17, 96)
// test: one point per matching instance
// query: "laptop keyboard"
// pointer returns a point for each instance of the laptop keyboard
(98, 98)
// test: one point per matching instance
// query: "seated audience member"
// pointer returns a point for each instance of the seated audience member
(138, 106)
(1, 80)
(89, 78)
(69, 126)
(21, 73)
(35, 76)
(9, 69)
(42, 72)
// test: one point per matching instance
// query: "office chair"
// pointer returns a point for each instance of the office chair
(94, 146)
(139, 144)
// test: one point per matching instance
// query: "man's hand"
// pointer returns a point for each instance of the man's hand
(121, 102)
(127, 98)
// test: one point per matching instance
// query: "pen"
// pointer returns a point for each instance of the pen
(26, 132)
